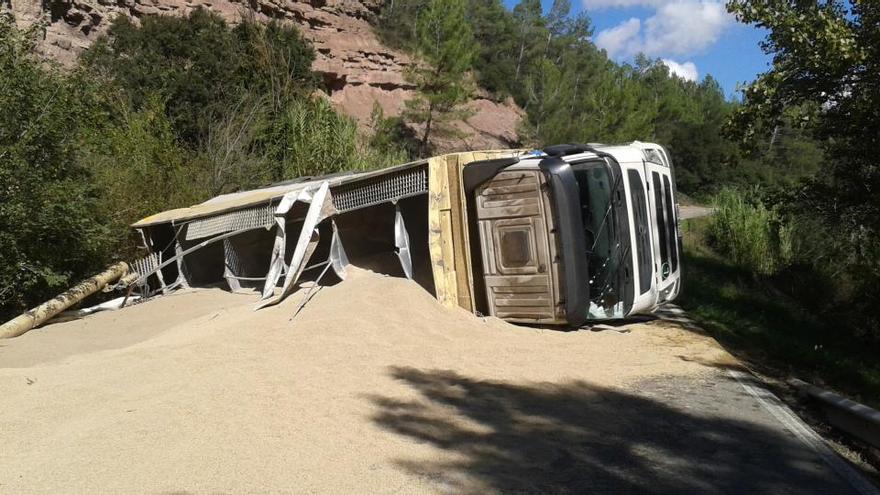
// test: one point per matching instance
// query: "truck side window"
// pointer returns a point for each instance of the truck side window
(643, 240)
(670, 222)
(601, 202)
(661, 223)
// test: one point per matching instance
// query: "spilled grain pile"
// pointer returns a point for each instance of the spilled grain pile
(195, 392)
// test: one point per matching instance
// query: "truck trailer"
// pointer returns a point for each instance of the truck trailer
(559, 236)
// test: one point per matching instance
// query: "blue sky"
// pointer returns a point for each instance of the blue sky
(693, 37)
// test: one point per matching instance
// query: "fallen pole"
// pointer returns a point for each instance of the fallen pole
(39, 315)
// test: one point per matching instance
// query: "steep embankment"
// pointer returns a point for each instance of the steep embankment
(357, 68)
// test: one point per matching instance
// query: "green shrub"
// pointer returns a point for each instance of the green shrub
(826, 264)
(229, 156)
(237, 98)
(51, 227)
(845, 250)
(392, 141)
(309, 137)
(749, 233)
(140, 169)
(201, 66)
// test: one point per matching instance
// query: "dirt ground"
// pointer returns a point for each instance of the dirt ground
(373, 387)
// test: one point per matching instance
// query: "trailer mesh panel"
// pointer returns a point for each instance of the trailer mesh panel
(249, 218)
(381, 189)
(347, 197)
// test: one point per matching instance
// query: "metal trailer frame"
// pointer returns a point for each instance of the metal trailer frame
(226, 216)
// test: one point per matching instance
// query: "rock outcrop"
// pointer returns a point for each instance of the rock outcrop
(357, 68)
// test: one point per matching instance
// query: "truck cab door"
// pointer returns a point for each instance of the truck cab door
(643, 234)
(518, 247)
(664, 220)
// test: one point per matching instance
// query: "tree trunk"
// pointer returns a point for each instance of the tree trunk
(427, 134)
(773, 138)
(522, 47)
(45, 311)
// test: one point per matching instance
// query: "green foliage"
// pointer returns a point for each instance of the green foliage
(392, 138)
(749, 233)
(158, 116)
(769, 234)
(199, 65)
(493, 29)
(824, 80)
(779, 324)
(230, 154)
(140, 169)
(397, 26)
(237, 100)
(310, 138)
(51, 232)
(444, 41)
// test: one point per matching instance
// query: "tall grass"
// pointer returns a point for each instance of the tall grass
(310, 137)
(783, 322)
(824, 265)
(749, 233)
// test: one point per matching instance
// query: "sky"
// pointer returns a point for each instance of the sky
(692, 37)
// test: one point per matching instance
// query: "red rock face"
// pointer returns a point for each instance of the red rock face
(357, 68)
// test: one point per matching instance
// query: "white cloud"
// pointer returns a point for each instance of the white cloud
(678, 27)
(610, 4)
(686, 71)
(623, 38)
(685, 27)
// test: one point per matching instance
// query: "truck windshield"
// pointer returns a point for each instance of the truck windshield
(605, 255)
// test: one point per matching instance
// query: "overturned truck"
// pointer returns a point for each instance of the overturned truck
(558, 236)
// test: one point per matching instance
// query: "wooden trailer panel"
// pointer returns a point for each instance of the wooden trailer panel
(447, 225)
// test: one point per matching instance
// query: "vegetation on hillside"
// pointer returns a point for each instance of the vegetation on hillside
(784, 322)
(445, 43)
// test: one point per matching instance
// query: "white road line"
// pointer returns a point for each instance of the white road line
(784, 415)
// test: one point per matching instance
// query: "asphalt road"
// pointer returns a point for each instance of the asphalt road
(726, 433)
(692, 211)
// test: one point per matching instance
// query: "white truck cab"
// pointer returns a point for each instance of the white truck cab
(574, 233)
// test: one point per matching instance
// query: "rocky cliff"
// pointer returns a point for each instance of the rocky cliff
(357, 68)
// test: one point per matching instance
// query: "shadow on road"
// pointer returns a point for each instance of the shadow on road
(574, 437)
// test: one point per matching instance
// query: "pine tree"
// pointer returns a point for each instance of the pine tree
(445, 44)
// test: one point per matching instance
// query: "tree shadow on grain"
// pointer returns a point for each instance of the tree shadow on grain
(574, 437)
